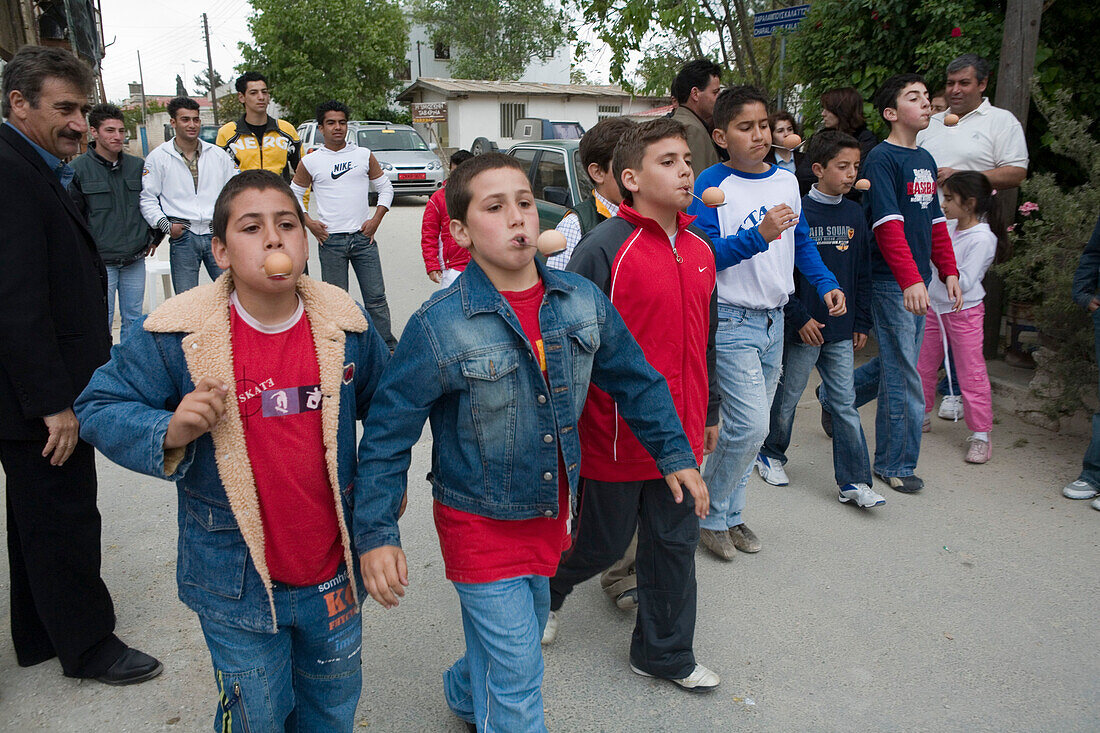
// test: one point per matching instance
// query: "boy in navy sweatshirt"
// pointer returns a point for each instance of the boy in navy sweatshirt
(813, 337)
(911, 233)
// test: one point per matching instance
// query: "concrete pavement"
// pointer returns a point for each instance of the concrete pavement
(971, 606)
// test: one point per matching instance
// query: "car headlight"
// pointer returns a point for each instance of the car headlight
(386, 166)
(435, 165)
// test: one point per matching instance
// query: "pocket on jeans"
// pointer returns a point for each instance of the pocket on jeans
(232, 705)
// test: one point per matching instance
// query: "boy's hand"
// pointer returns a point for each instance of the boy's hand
(859, 340)
(954, 292)
(319, 230)
(370, 226)
(834, 299)
(811, 333)
(176, 230)
(690, 478)
(915, 298)
(1094, 304)
(198, 413)
(710, 439)
(385, 573)
(436, 276)
(778, 220)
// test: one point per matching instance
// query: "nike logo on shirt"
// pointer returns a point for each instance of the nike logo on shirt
(702, 269)
(336, 175)
(340, 169)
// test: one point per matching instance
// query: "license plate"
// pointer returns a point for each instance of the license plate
(412, 176)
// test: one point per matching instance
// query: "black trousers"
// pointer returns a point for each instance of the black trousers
(668, 534)
(59, 604)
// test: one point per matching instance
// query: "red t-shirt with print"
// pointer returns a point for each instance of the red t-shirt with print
(279, 396)
(478, 549)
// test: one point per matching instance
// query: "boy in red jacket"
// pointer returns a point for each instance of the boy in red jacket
(443, 259)
(658, 271)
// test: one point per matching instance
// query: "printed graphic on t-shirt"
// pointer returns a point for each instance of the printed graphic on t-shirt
(922, 189)
(833, 236)
(753, 219)
(339, 169)
(261, 397)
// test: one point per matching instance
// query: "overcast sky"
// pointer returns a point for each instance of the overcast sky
(169, 36)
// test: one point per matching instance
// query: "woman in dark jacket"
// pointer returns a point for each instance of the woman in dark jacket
(842, 109)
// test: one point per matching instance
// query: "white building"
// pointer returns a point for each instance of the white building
(488, 110)
(426, 58)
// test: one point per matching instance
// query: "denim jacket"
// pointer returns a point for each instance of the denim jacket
(464, 364)
(124, 412)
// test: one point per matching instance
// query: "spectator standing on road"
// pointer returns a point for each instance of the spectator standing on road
(342, 175)
(596, 148)
(258, 141)
(986, 139)
(443, 259)
(842, 109)
(695, 88)
(1086, 293)
(107, 189)
(181, 182)
(53, 335)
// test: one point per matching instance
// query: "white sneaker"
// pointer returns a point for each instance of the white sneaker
(701, 679)
(1095, 504)
(862, 494)
(771, 470)
(551, 631)
(1079, 490)
(951, 407)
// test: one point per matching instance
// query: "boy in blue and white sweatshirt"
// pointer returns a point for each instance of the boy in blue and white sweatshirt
(759, 236)
(814, 338)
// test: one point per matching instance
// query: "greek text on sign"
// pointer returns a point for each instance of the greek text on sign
(765, 24)
(426, 112)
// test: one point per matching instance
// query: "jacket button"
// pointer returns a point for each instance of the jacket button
(548, 513)
(547, 476)
(542, 399)
(548, 439)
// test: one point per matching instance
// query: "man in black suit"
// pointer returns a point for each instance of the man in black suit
(53, 335)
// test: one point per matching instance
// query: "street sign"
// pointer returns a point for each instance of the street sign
(786, 19)
(428, 112)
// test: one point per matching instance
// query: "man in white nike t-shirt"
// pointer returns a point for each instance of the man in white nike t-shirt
(342, 175)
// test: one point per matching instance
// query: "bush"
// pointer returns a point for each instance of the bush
(1053, 223)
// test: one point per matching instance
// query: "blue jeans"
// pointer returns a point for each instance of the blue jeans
(306, 677)
(834, 362)
(750, 354)
(185, 255)
(892, 378)
(498, 683)
(1090, 466)
(355, 248)
(129, 282)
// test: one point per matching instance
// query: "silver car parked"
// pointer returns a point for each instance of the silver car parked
(412, 166)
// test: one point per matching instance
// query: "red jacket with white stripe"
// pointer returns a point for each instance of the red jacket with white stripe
(435, 236)
(666, 294)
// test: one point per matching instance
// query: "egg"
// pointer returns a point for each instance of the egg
(278, 263)
(862, 185)
(792, 141)
(551, 242)
(713, 197)
(950, 119)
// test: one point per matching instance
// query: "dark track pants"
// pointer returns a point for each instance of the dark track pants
(668, 534)
(59, 603)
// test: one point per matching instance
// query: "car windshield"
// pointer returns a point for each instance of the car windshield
(390, 140)
(567, 130)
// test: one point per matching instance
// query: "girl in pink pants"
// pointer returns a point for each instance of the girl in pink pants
(977, 234)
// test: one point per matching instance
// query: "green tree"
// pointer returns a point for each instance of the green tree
(494, 39)
(314, 50)
(202, 83)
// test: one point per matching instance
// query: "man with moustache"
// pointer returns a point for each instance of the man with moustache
(53, 335)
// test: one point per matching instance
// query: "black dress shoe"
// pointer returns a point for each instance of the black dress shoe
(130, 668)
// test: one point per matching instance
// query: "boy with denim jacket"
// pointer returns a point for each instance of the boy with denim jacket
(500, 364)
(216, 389)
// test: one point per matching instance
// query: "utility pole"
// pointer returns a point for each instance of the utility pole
(210, 67)
(144, 136)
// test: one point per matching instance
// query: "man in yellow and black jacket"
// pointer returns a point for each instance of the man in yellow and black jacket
(257, 140)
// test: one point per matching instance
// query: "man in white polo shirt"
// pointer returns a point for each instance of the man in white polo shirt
(342, 175)
(987, 139)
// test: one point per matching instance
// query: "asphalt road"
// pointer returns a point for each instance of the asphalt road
(969, 607)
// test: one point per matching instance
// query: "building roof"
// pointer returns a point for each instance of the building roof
(457, 87)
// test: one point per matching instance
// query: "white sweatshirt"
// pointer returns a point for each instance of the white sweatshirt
(975, 249)
(168, 188)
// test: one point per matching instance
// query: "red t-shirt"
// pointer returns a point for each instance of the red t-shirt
(478, 549)
(279, 395)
